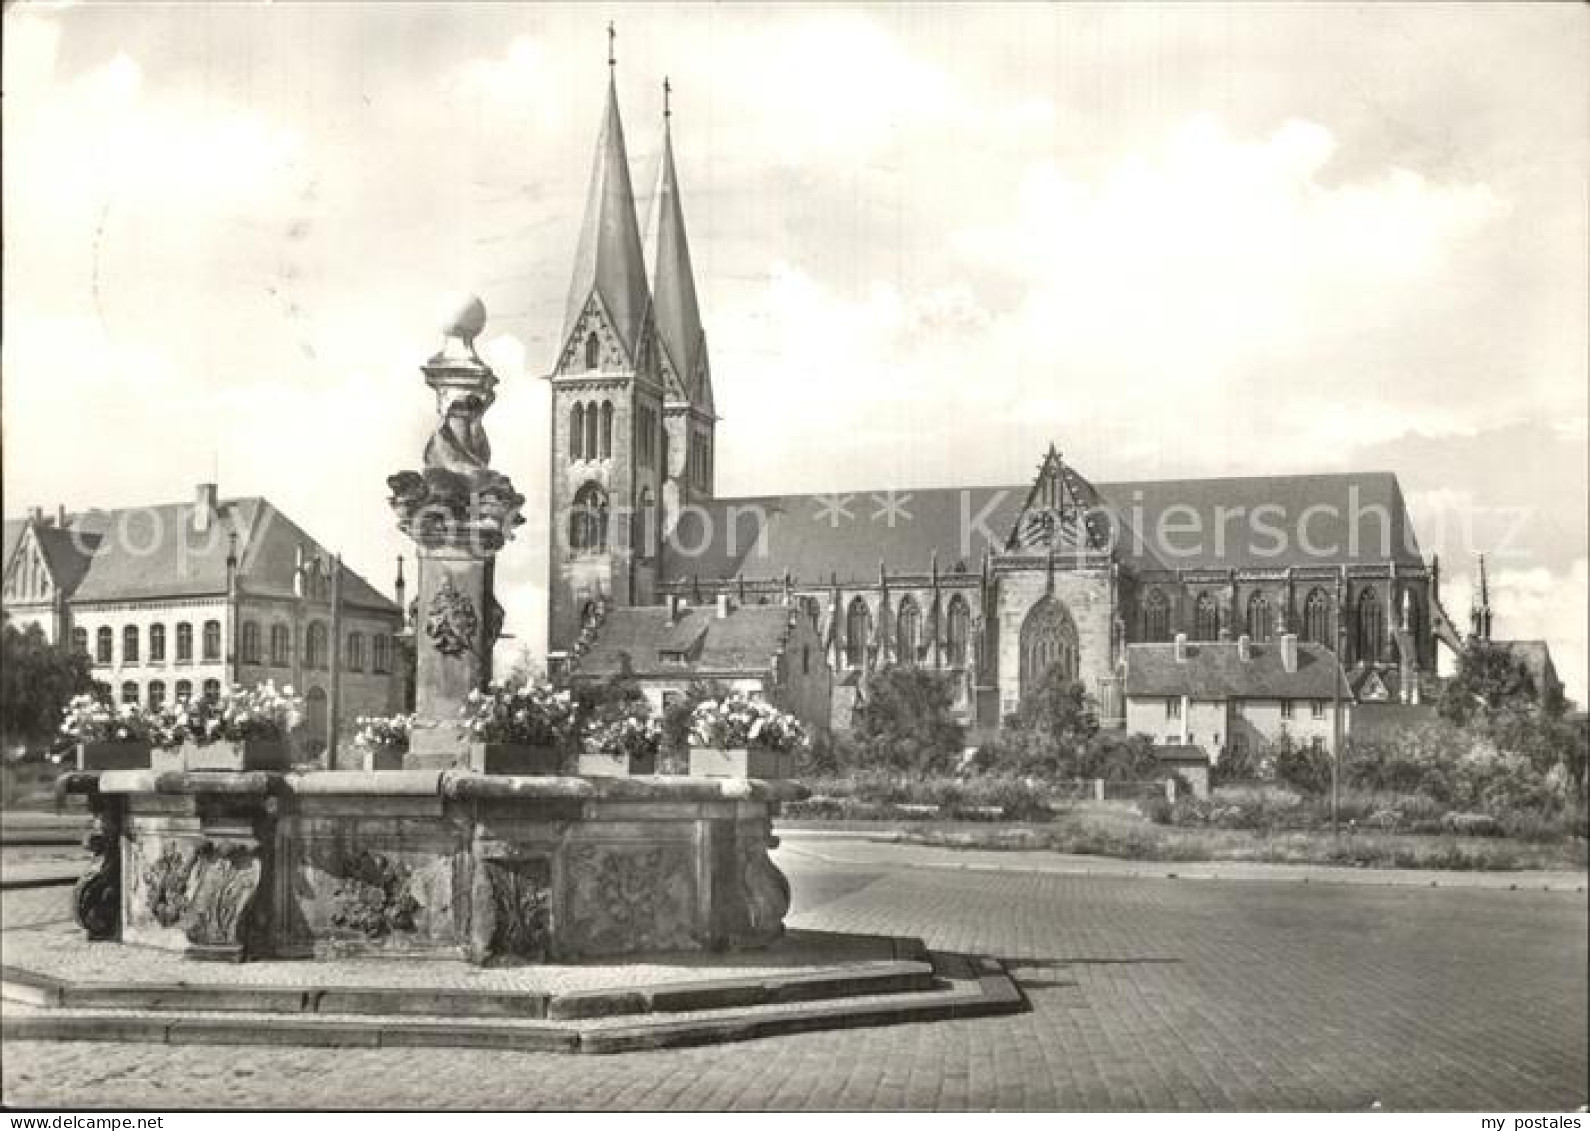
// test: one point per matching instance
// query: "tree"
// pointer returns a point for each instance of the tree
(1489, 681)
(907, 722)
(1049, 732)
(37, 679)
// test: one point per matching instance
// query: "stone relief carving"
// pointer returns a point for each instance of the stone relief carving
(96, 897)
(512, 905)
(373, 897)
(224, 880)
(626, 899)
(767, 897)
(165, 884)
(452, 623)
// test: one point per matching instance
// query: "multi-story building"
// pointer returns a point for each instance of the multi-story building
(1236, 695)
(184, 599)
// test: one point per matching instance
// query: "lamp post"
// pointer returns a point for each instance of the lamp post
(1336, 728)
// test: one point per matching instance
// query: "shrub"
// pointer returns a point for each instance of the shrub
(531, 714)
(1305, 768)
(906, 721)
(1471, 824)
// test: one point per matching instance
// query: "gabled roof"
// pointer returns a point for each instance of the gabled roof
(137, 553)
(609, 262)
(634, 640)
(675, 310)
(66, 553)
(1356, 517)
(1217, 671)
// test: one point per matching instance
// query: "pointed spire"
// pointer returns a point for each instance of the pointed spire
(1480, 613)
(677, 312)
(608, 264)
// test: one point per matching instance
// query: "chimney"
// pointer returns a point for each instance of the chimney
(35, 514)
(60, 516)
(723, 606)
(1289, 651)
(1181, 647)
(203, 507)
(676, 608)
(1244, 647)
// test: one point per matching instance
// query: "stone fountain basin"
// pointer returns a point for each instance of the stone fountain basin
(443, 864)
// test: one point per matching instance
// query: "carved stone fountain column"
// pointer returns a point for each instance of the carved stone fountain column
(459, 513)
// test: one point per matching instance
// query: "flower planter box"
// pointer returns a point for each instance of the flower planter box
(513, 758)
(607, 766)
(382, 758)
(709, 762)
(113, 756)
(250, 754)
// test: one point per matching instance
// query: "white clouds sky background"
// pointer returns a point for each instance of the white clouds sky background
(1187, 240)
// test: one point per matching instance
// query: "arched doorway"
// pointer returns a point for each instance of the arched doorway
(1048, 645)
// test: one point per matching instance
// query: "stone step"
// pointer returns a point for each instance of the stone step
(850, 980)
(963, 987)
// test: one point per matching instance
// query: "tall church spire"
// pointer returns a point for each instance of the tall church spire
(609, 270)
(677, 314)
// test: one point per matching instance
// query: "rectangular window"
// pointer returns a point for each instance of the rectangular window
(1319, 708)
(1173, 708)
(1286, 708)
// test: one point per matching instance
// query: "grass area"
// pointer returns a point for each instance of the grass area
(1120, 831)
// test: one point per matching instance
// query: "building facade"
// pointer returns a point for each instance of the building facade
(767, 652)
(180, 600)
(998, 587)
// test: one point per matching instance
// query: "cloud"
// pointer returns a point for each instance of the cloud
(1537, 604)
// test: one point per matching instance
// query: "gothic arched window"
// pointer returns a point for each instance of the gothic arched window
(1317, 619)
(1155, 617)
(607, 429)
(858, 633)
(593, 350)
(1259, 619)
(588, 520)
(577, 432)
(1048, 645)
(958, 625)
(1371, 625)
(908, 631)
(1206, 618)
(593, 425)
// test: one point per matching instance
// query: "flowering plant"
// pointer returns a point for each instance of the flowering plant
(527, 714)
(735, 722)
(86, 719)
(236, 715)
(628, 730)
(379, 733)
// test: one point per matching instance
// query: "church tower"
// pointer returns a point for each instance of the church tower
(607, 409)
(688, 411)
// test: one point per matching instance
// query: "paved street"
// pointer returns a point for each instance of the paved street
(1168, 994)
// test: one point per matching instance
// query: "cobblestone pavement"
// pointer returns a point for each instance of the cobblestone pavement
(1146, 993)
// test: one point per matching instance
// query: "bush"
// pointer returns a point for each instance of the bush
(1305, 768)
(907, 722)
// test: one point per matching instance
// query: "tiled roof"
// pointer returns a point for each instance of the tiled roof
(1216, 671)
(744, 641)
(812, 536)
(138, 553)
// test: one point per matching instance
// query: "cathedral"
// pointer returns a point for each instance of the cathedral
(997, 586)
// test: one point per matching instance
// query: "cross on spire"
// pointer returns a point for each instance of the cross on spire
(612, 37)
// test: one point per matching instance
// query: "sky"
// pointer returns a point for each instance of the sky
(929, 239)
